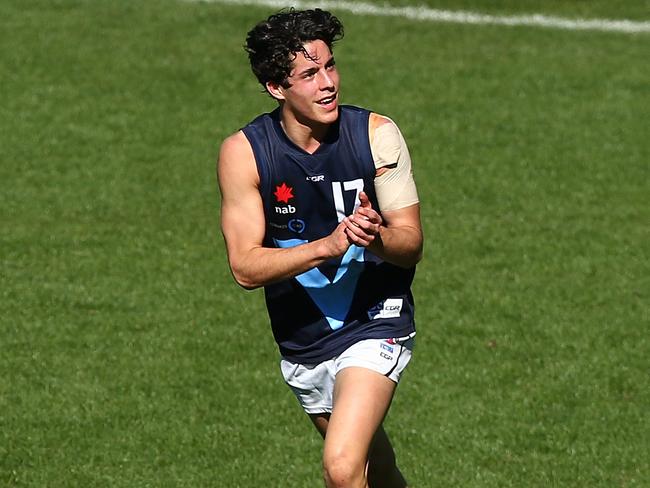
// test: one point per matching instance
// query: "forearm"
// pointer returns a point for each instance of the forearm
(401, 246)
(261, 266)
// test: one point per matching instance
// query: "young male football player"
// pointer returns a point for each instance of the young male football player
(320, 208)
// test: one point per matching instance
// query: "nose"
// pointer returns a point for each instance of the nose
(326, 81)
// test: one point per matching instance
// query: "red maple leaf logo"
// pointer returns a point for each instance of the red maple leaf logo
(283, 193)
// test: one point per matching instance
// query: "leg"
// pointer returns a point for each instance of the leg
(382, 471)
(357, 452)
(361, 399)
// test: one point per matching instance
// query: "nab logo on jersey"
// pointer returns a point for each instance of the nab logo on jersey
(289, 209)
(283, 194)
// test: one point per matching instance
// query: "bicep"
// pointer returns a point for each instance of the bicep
(242, 211)
(405, 217)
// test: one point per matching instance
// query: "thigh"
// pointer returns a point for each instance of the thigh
(361, 399)
(380, 453)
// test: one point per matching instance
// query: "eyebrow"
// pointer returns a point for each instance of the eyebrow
(308, 71)
(312, 69)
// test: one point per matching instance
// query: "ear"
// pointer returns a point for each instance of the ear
(275, 90)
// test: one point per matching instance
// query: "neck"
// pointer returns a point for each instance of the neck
(307, 135)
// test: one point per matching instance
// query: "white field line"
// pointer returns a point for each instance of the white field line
(459, 17)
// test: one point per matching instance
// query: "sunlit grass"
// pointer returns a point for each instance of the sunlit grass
(129, 356)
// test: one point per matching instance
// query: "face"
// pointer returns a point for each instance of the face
(312, 95)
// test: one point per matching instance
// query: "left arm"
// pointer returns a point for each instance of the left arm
(397, 238)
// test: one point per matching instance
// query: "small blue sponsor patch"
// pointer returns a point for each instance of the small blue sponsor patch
(296, 225)
(386, 346)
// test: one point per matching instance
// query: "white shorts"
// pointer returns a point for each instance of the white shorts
(313, 384)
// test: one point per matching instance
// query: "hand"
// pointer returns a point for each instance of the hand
(337, 243)
(363, 226)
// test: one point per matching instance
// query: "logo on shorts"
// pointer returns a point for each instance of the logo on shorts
(386, 356)
(385, 346)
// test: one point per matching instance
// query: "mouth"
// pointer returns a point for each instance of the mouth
(327, 101)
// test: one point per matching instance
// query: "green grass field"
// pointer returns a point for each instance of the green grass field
(129, 358)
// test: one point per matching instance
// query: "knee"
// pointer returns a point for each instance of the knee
(341, 470)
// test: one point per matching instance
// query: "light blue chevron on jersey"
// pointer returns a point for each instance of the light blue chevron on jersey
(333, 298)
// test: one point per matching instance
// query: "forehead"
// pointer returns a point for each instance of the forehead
(317, 54)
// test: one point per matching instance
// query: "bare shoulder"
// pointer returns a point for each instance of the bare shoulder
(235, 146)
(236, 167)
(236, 158)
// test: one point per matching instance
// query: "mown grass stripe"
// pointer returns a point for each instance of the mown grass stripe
(456, 16)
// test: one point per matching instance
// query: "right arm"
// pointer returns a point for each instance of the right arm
(243, 224)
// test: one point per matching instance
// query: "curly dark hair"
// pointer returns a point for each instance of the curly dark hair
(272, 45)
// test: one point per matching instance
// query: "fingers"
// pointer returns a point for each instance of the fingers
(367, 223)
(364, 200)
(361, 230)
(365, 209)
(368, 214)
(363, 226)
(361, 240)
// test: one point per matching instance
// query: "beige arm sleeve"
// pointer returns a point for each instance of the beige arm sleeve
(395, 187)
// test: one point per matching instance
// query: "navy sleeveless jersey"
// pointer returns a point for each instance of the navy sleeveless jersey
(322, 312)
